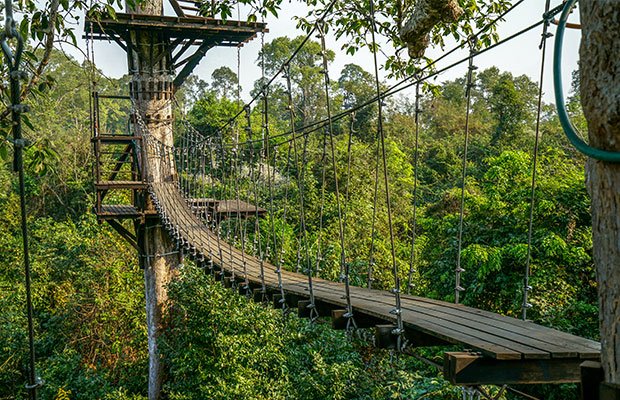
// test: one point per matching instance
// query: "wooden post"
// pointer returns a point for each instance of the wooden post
(591, 378)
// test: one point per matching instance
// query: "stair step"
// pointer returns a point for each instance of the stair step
(120, 185)
(115, 138)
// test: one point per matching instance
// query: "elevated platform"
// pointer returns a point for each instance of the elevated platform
(171, 37)
(231, 33)
(524, 351)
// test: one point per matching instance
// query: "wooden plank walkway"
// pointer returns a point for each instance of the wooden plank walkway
(493, 335)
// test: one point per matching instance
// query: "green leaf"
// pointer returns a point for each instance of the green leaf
(111, 11)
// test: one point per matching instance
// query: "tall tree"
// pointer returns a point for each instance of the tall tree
(160, 258)
(600, 88)
(224, 82)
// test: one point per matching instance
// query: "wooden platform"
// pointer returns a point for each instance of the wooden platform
(118, 212)
(529, 353)
(174, 36)
(227, 32)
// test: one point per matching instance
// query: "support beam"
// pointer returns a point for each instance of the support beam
(128, 236)
(384, 338)
(192, 62)
(470, 369)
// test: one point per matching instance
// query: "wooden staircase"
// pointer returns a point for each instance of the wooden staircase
(116, 172)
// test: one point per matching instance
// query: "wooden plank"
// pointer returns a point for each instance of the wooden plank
(585, 347)
(132, 21)
(115, 138)
(472, 369)
(432, 328)
(505, 328)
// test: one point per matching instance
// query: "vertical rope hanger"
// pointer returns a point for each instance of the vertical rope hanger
(300, 182)
(371, 258)
(526, 278)
(319, 255)
(242, 225)
(412, 260)
(344, 265)
(214, 224)
(270, 179)
(260, 164)
(470, 71)
(399, 330)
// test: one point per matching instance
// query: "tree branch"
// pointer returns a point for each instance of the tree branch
(47, 54)
(427, 13)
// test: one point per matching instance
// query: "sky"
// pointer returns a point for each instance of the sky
(520, 56)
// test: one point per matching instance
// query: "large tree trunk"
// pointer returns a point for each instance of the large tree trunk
(151, 91)
(600, 97)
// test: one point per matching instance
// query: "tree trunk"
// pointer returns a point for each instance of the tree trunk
(151, 91)
(600, 97)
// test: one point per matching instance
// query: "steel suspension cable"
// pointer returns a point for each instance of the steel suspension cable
(282, 251)
(371, 259)
(399, 330)
(394, 89)
(270, 178)
(470, 71)
(526, 275)
(344, 266)
(319, 255)
(412, 260)
(300, 182)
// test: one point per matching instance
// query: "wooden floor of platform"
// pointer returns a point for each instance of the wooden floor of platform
(497, 337)
(118, 211)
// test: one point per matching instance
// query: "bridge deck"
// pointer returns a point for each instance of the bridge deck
(496, 336)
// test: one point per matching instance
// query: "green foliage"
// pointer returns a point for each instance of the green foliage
(223, 346)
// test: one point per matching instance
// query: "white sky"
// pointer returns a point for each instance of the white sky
(520, 56)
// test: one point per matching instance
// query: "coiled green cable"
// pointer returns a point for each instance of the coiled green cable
(569, 129)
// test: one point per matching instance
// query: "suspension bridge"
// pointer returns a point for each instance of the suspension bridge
(215, 197)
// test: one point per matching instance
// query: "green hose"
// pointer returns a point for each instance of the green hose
(569, 129)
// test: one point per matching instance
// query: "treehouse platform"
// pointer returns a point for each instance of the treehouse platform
(178, 34)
